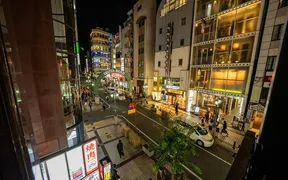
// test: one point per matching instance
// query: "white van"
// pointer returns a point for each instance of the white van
(200, 135)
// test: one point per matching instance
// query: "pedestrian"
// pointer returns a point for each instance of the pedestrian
(161, 175)
(207, 116)
(224, 129)
(120, 148)
(90, 105)
(202, 121)
(176, 107)
(114, 173)
(107, 98)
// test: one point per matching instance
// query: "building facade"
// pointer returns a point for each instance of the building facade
(143, 45)
(172, 51)
(101, 47)
(127, 44)
(275, 24)
(223, 50)
(43, 59)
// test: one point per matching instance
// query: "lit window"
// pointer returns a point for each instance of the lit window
(277, 32)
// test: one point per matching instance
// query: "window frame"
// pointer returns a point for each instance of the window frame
(180, 60)
(183, 21)
(279, 32)
(182, 44)
(270, 63)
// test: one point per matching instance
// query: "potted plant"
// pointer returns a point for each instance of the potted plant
(175, 149)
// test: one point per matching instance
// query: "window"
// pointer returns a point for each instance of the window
(277, 32)
(159, 63)
(160, 48)
(141, 38)
(264, 93)
(160, 31)
(141, 51)
(270, 64)
(182, 42)
(139, 8)
(180, 62)
(183, 21)
(141, 22)
(283, 3)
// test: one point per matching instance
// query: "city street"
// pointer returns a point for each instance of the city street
(214, 162)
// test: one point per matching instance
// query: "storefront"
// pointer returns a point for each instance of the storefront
(191, 100)
(224, 104)
(255, 115)
(175, 95)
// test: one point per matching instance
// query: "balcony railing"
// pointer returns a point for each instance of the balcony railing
(204, 37)
(203, 60)
(200, 84)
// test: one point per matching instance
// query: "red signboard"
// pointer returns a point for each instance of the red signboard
(132, 105)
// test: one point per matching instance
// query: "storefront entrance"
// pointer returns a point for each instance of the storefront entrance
(173, 96)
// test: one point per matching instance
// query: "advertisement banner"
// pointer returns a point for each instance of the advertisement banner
(90, 156)
(57, 168)
(93, 176)
(76, 163)
(107, 171)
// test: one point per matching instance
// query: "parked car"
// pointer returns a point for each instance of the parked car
(121, 97)
(200, 135)
(111, 90)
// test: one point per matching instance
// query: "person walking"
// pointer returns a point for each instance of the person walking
(90, 105)
(107, 98)
(224, 129)
(161, 175)
(176, 108)
(120, 148)
(114, 173)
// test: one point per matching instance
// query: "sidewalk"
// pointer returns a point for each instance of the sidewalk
(230, 142)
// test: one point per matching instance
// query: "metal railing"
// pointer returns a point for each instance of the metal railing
(204, 37)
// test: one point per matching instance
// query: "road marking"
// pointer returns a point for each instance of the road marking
(194, 174)
(196, 144)
(153, 120)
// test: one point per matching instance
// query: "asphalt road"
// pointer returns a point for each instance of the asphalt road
(214, 162)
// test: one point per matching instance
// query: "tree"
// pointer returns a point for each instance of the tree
(176, 149)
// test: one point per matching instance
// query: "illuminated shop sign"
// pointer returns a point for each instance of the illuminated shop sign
(113, 71)
(96, 60)
(172, 87)
(90, 156)
(99, 53)
(57, 168)
(107, 171)
(173, 91)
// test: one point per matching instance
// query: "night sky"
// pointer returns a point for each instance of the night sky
(102, 13)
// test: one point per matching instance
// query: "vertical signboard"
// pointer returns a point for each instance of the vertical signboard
(90, 156)
(107, 171)
(75, 163)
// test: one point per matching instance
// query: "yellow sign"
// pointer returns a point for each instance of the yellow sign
(131, 111)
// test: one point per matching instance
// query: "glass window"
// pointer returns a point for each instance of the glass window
(182, 42)
(180, 62)
(283, 3)
(159, 63)
(160, 31)
(277, 32)
(160, 48)
(183, 21)
(270, 64)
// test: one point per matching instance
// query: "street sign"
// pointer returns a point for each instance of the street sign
(132, 105)
(131, 111)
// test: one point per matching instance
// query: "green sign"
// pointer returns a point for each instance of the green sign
(77, 48)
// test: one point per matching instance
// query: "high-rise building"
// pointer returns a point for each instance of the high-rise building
(117, 42)
(224, 44)
(101, 46)
(172, 51)
(42, 53)
(275, 23)
(127, 44)
(143, 45)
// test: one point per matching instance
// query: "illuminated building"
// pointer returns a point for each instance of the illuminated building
(43, 57)
(223, 51)
(117, 43)
(275, 23)
(143, 45)
(101, 47)
(172, 51)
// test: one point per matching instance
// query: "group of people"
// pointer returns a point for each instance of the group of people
(211, 119)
